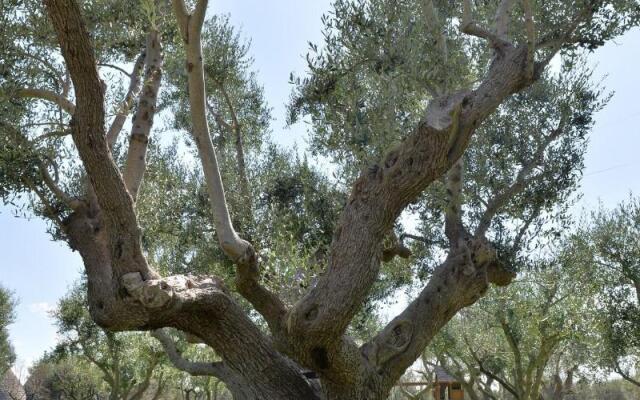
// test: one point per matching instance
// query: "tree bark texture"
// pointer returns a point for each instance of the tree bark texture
(126, 294)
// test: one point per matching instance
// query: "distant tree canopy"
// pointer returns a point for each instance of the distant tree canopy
(529, 340)
(443, 111)
(127, 362)
(608, 245)
(7, 316)
(570, 318)
(71, 378)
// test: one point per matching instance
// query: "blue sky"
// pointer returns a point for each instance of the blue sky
(39, 271)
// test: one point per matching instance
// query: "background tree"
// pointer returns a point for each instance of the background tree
(608, 244)
(128, 362)
(69, 378)
(97, 211)
(7, 316)
(617, 389)
(532, 336)
(10, 387)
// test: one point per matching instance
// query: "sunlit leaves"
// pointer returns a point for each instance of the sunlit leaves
(7, 317)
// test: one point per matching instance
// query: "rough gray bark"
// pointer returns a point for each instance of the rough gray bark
(236, 384)
(126, 294)
(127, 102)
(143, 118)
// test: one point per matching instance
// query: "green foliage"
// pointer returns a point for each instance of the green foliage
(71, 378)
(539, 327)
(232, 90)
(367, 88)
(381, 61)
(522, 170)
(7, 317)
(127, 361)
(557, 110)
(611, 390)
(368, 84)
(608, 243)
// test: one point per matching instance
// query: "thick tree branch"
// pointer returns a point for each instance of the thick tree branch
(48, 95)
(145, 113)
(503, 18)
(204, 308)
(378, 197)
(530, 28)
(216, 369)
(108, 238)
(453, 214)
(238, 250)
(127, 102)
(454, 285)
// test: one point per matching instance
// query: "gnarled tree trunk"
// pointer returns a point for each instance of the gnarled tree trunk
(125, 293)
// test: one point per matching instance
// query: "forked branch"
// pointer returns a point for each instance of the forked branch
(523, 178)
(48, 95)
(470, 27)
(145, 113)
(89, 136)
(127, 102)
(238, 250)
(216, 369)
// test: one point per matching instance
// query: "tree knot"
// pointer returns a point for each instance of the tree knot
(393, 340)
(156, 293)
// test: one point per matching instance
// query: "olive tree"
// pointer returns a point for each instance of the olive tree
(528, 339)
(129, 363)
(71, 378)
(7, 316)
(473, 58)
(607, 243)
